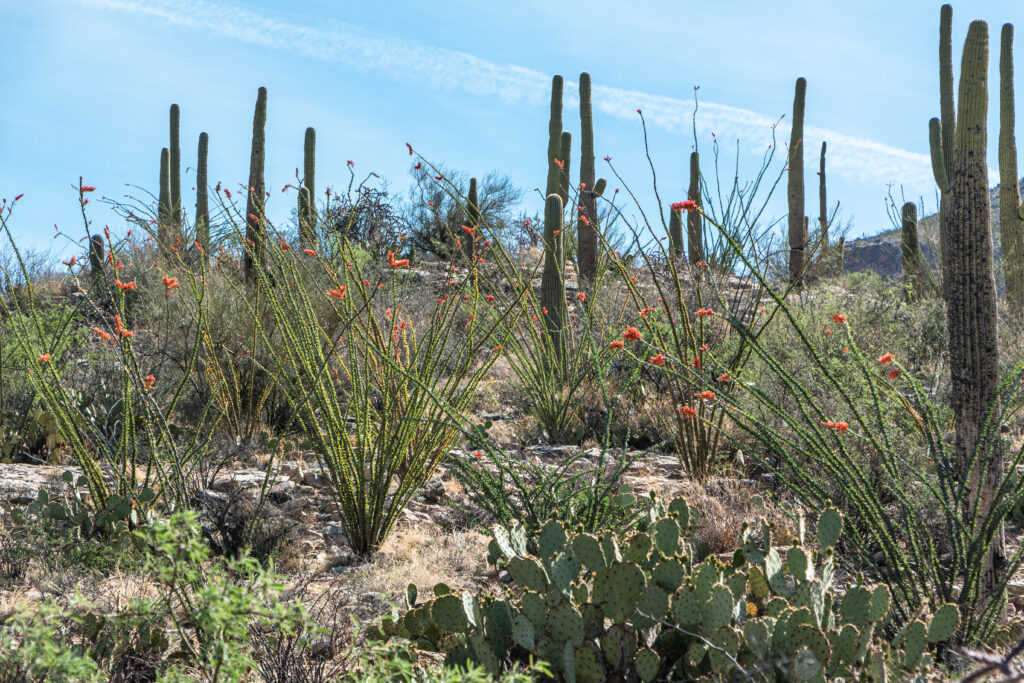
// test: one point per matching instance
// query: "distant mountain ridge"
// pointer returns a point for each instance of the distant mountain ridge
(881, 252)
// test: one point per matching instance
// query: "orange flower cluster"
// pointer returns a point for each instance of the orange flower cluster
(704, 312)
(103, 334)
(616, 344)
(171, 283)
(687, 412)
(150, 382)
(886, 358)
(126, 286)
(337, 293)
(706, 395)
(45, 358)
(658, 360)
(687, 205)
(403, 263)
(120, 329)
(839, 318)
(631, 334)
(840, 427)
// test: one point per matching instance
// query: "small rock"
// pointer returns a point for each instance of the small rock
(434, 492)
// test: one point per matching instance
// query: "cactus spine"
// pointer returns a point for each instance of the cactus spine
(970, 287)
(694, 226)
(254, 214)
(797, 223)
(175, 170)
(473, 220)
(586, 226)
(163, 206)
(823, 202)
(1011, 213)
(307, 193)
(202, 198)
(552, 292)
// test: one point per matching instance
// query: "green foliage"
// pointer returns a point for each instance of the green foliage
(616, 606)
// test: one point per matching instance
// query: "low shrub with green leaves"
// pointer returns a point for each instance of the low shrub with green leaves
(610, 606)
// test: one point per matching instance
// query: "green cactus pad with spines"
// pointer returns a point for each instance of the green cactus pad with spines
(600, 186)
(681, 511)
(535, 609)
(805, 666)
(638, 549)
(569, 663)
(726, 646)
(665, 533)
(830, 526)
(449, 613)
(878, 606)
(654, 602)
(593, 620)
(552, 539)
(688, 607)
(647, 664)
(737, 584)
(757, 583)
(845, 643)
(610, 548)
(718, 611)
(914, 643)
(589, 668)
(580, 593)
(813, 639)
(550, 651)
(416, 620)
(565, 624)
(943, 624)
(704, 576)
(668, 574)
(493, 552)
(587, 550)
(504, 542)
(410, 596)
(798, 563)
(523, 631)
(696, 653)
(856, 606)
(517, 537)
(441, 589)
(528, 573)
(617, 590)
(459, 656)
(757, 636)
(498, 619)
(562, 573)
(484, 653)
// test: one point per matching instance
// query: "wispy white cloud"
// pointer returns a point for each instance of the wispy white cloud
(852, 158)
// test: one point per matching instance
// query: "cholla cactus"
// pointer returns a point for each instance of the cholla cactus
(255, 233)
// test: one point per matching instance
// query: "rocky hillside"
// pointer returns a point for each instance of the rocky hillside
(881, 252)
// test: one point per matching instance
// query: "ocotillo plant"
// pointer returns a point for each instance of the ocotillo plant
(1011, 213)
(307, 194)
(175, 162)
(586, 226)
(823, 203)
(164, 229)
(970, 286)
(694, 225)
(202, 198)
(96, 262)
(472, 222)
(797, 242)
(915, 269)
(254, 214)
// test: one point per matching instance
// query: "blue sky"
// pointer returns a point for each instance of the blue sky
(87, 85)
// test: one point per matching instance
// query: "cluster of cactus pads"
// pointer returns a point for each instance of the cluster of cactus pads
(600, 607)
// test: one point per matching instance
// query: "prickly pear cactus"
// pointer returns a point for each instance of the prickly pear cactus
(599, 607)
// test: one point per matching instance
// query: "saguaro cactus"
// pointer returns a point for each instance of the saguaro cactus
(96, 262)
(970, 286)
(915, 268)
(823, 203)
(586, 226)
(797, 242)
(565, 152)
(254, 214)
(175, 162)
(694, 224)
(164, 228)
(307, 193)
(202, 198)
(552, 287)
(472, 220)
(675, 233)
(1011, 213)
(946, 132)
(555, 137)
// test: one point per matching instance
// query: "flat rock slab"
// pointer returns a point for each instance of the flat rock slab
(20, 483)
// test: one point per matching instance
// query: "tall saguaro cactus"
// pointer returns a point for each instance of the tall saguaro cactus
(175, 163)
(1011, 213)
(164, 229)
(694, 223)
(823, 202)
(797, 223)
(96, 263)
(586, 226)
(554, 137)
(202, 198)
(565, 153)
(307, 193)
(473, 221)
(970, 287)
(675, 233)
(255, 233)
(552, 286)
(915, 268)
(945, 131)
